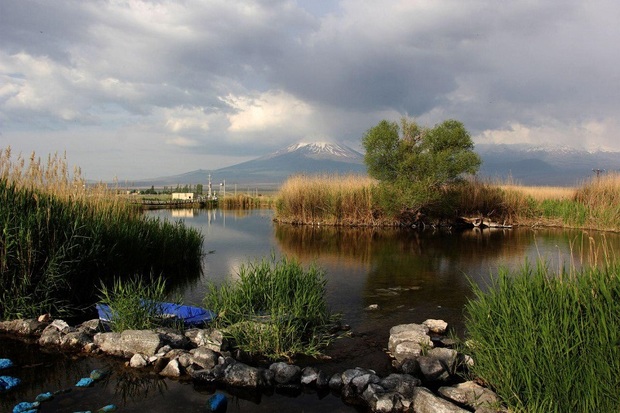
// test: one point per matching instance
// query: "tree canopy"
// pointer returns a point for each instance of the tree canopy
(413, 163)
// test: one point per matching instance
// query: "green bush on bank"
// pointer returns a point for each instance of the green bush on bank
(54, 251)
(549, 342)
(274, 308)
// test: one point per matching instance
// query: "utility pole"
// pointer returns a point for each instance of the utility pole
(598, 172)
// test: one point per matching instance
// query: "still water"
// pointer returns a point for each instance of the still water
(409, 275)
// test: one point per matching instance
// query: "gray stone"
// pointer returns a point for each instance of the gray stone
(163, 350)
(50, 336)
(335, 382)
(27, 327)
(173, 338)
(242, 375)
(204, 357)
(447, 356)
(411, 366)
(172, 369)
(61, 326)
(350, 374)
(360, 382)
(75, 340)
(109, 343)
(416, 333)
(436, 326)
(424, 401)
(309, 376)
(138, 361)
(91, 327)
(286, 373)
(185, 359)
(407, 350)
(433, 370)
(471, 394)
(141, 341)
(403, 384)
(212, 339)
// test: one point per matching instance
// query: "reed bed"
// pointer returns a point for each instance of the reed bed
(244, 201)
(274, 309)
(328, 200)
(60, 240)
(549, 342)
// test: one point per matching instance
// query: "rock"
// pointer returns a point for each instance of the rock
(75, 340)
(172, 369)
(472, 395)
(138, 361)
(424, 401)
(44, 318)
(141, 341)
(408, 341)
(212, 339)
(27, 327)
(286, 373)
(360, 382)
(436, 326)
(403, 384)
(185, 359)
(61, 326)
(447, 356)
(50, 336)
(433, 370)
(204, 357)
(91, 327)
(242, 375)
(309, 376)
(160, 363)
(378, 399)
(407, 350)
(173, 338)
(411, 366)
(109, 343)
(372, 307)
(163, 351)
(335, 382)
(350, 374)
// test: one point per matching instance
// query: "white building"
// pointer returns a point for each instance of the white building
(183, 195)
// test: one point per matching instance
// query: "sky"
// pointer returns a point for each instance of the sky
(132, 89)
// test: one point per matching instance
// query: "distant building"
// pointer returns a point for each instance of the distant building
(183, 195)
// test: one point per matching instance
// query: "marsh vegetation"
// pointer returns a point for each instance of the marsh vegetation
(61, 238)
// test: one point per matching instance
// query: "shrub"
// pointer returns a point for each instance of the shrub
(275, 308)
(549, 342)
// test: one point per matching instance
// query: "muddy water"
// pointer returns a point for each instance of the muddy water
(409, 275)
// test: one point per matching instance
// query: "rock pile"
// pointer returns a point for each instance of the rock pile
(205, 355)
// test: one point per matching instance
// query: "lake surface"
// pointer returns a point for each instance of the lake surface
(410, 275)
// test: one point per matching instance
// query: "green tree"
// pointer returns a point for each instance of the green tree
(413, 164)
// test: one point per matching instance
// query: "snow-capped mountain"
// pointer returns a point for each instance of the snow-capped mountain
(272, 170)
(320, 151)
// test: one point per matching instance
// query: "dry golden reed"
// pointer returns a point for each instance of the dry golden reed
(328, 200)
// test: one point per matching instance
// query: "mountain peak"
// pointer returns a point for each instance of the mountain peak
(320, 149)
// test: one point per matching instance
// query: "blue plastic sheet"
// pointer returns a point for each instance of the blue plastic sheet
(217, 403)
(5, 364)
(84, 382)
(8, 382)
(26, 407)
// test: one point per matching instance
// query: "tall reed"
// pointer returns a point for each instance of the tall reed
(549, 342)
(275, 308)
(59, 240)
(327, 199)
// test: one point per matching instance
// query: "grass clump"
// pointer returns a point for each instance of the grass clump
(134, 304)
(274, 309)
(549, 342)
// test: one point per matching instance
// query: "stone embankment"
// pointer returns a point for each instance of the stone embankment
(421, 353)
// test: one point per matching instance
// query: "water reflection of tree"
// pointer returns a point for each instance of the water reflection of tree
(133, 385)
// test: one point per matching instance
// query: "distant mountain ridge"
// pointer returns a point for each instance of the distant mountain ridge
(524, 164)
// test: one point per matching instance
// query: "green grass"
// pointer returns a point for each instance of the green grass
(549, 342)
(275, 308)
(134, 303)
(55, 251)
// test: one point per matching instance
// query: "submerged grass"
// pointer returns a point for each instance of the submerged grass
(549, 342)
(275, 308)
(60, 239)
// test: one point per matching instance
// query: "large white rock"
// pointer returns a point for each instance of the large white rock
(424, 401)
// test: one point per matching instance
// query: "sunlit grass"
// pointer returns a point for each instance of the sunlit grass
(275, 308)
(549, 342)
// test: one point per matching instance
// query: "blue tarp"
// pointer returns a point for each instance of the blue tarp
(5, 363)
(8, 382)
(191, 316)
